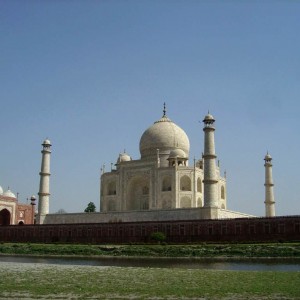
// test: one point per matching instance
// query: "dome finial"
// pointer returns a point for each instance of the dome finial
(164, 111)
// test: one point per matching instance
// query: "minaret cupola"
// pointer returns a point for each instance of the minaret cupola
(209, 120)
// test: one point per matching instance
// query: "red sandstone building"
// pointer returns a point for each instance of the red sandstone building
(14, 213)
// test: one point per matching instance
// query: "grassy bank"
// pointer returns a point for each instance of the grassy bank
(203, 250)
(29, 281)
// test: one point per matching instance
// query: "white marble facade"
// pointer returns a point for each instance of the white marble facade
(161, 178)
(161, 186)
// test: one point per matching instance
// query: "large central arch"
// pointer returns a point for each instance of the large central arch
(138, 193)
(4, 217)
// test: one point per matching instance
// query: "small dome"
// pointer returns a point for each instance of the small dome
(123, 157)
(9, 193)
(46, 142)
(208, 117)
(177, 153)
(268, 157)
(1, 190)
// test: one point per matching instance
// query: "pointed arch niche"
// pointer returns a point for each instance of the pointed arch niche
(222, 192)
(185, 183)
(185, 202)
(112, 188)
(199, 185)
(4, 217)
(138, 193)
(199, 202)
(167, 184)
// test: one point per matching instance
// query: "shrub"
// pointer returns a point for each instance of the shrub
(158, 236)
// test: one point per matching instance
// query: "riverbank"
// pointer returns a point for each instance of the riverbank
(199, 250)
(42, 281)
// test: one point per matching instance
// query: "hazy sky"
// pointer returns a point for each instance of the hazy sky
(92, 76)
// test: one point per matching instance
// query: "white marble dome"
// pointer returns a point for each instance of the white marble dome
(123, 157)
(9, 193)
(208, 118)
(177, 153)
(268, 157)
(46, 142)
(164, 135)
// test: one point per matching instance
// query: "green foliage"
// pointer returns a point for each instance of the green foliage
(205, 250)
(158, 236)
(91, 207)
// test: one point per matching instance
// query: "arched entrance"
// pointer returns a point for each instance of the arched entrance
(138, 194)
(4, 217)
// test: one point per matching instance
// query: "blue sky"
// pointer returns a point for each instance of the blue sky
(92, 76)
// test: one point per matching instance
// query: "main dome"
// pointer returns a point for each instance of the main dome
(165, 136)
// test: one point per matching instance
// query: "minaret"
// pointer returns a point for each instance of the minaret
(210, 175)
(269, 193)
(44, 191)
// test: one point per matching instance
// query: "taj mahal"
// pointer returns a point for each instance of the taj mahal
(160, 186)
(162, 178)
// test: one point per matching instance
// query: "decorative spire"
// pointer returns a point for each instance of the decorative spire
(164, 111)
(164, 118)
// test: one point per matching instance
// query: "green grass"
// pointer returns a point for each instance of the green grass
(187, 250)
(146, 283)
(61, 282)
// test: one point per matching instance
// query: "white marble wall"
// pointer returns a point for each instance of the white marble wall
(144, 216)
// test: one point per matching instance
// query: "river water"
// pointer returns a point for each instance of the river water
(258, 264)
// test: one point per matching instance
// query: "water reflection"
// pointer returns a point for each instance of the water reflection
(186, 263)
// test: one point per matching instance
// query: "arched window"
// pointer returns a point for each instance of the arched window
(199, 185)
(111, 205)
(167, 184)
(111, 188)
(222, 192)
(185, 183)
(145, 190)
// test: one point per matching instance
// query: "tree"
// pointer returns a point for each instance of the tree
(91, 207)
